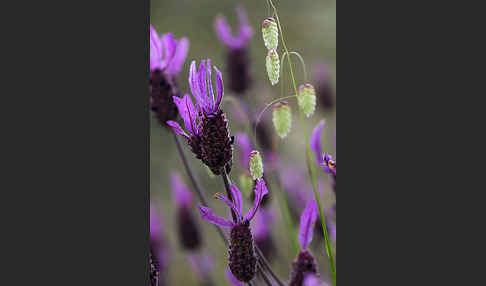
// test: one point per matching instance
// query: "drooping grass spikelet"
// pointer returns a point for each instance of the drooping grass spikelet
(273, 66)
(256, 165)
(270, 33)
(282, 118)
(307, 99)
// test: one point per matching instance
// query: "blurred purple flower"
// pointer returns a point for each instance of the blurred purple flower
(322, 82)
(166, 53)
(262, 226)
(158, 256)
(188, 229)
(313, 280)
(223, 30)
(207, 126)
(305, 263)
(245, 147)
(202, 265)
(167, 56)
(237, 59)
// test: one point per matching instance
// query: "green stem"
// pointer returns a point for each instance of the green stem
(309, 156)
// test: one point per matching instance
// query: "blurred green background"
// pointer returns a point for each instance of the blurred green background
(310, 29)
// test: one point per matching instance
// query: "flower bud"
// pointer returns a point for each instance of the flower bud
(282, 118)
(273, 66)
(307, 99)
(270, 33)
(256, 165)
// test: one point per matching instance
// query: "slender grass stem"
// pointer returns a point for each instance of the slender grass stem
(308, 153)
(196, 185)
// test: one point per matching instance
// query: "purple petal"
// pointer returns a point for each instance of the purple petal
(245, 147)
(229, 203)
(202, 87)
(260, 191)
(210, 85)
(237, 198)
(155, 49)
(186, 110)
(223, 31)
(315, 141)
(169, 45)
(307, 220)
(232, 279)
(219, 87)
(180, 55)
(209, 216)
(183, 196)
(194, 81)
(245, 32)
(177, 128)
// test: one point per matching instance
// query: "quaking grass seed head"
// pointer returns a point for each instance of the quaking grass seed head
(256, 165)
(282, 118)
(307, 99)
(270, 33)
(272, 64)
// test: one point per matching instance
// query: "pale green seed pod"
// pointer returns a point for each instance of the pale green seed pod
(273, 66)
(307, 99)
(282, 118)
(246, 185)
(256, 165)
(270, 33)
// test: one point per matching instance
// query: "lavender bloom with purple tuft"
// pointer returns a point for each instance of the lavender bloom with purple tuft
(305, 263)
(167, 56)
(238, 61)
(324, 160)
(209, 134)
(188, 229)
(242, 260)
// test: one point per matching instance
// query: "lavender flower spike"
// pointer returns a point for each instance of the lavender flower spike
(305, 263)
(238, 63)
(207, 126)
(242, 260)
(167, 55)
(188, 229)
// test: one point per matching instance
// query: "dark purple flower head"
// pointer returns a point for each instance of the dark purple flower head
(206, 124)
(223, 30)
(166, 53)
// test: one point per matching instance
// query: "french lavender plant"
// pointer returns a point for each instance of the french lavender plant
(188, 229)
(208, 130)
(167, 56)
(238, 63)
(242, 260)
(305, 263)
